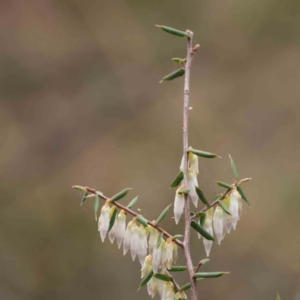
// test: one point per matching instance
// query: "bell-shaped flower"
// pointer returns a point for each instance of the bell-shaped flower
(135, 241)
(227, 224)
(153, 286)
(178, 204)
(113, 231)
(218, 223)
(234, 206)
(153, 238)
(175, 253)
(147, 265)
(103, 222)
(192, 163)
(167, 255)
(121, 227)
(128, 236)
(208, 227)
(192, 182)
(168, 291)
(157, 256)
(143, 245)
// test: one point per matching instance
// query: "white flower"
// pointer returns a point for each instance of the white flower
(127, 236)
(157, 256)
(113, 231)
(143, 245)
(153, 238)
(153, 286)
(168, 291)
(147, 265)
(208, 227)
(135, 242)
(103, 222)
(121, 227)
(175, 253)
(192, 163)
(167, 256)
(192, 182)
(178, 205)
(234, 206)
(218, 223)
(227, 225)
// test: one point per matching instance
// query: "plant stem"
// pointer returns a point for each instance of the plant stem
(186, 242)
(134, 214)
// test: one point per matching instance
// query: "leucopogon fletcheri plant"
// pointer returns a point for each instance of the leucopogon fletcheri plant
(156, 249)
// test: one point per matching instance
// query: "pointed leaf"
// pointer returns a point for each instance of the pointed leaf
(173, 31)
(224, 207)
(84, 197)
(179, 60)
(79, 188)
(218, 196)
(242, 194)
(120, 195)
(132, 202)
(202, 231)
(204, 261)
(163, 214)
(96, 205)
(142, 220)
(112, 220)
(202, 216)
(203, 153)
(209, 274)
(201, 196)
(233, 167)
(188, 285)
(163, 277)
(173, 75)
(225, 185)
(278, 297)
(177, 268)
(159, 240)
(177, 236)
(177, 180)
(146, 279)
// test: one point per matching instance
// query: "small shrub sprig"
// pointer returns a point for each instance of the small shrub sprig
(157, 249)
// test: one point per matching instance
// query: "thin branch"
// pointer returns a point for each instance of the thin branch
(134, 214)
(186, 249)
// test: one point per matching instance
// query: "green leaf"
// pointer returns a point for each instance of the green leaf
(225, 185)
(120, 195)
(204, 261)
(224, 207)
(163, 277)
(163, 214)
(159, 240)
(184, 191)
(173, 75)
(201, 196)
(203, 153)
(112, 220)
(209, 274)
(146, 279)
(177, 268)
(173, 31)
(179, 60)
(192, 213)
(233, 167)
(202, 231)
(84, 197)
(186, 287)
(79, 188)
(202, 216)
(177, 236)
(242, 194)
(132, 202)
(218, 196)
(278, 297)
(142, 220)
(96, 205)
(177, 180)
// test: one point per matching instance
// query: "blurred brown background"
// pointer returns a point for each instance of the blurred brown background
(81, 104)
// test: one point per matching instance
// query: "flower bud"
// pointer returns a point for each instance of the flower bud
(192, 182)
(103, 223)
(178, 205)
(218, 223)
(208, 227)
(235, 197)
(121, 227)
(147, 265)
(175, 253)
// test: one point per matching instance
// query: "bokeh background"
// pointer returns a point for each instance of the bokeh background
(81, 104)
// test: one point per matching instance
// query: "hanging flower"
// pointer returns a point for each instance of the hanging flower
(175, 253)
(103, 223)
(168, 291)
(147, 265)
(218, 223)
(192, 182)
(121, 227)
(153, 286)
(127, 236)
(153, 238)
(135, 242)
(178, 204)
(192, 163)
(227, 224)
(235, 197)
(208, 227)
(143, 245)
(167, 257)
(157, 256)
(113, 231)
